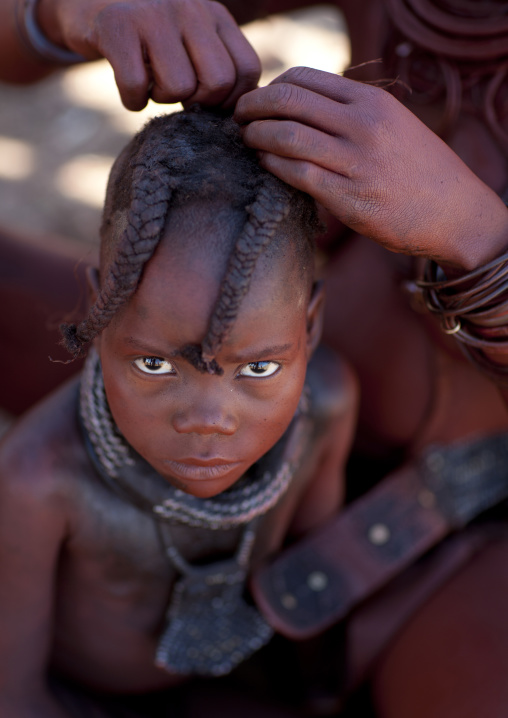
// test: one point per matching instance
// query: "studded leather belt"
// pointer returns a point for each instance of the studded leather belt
(318, 581)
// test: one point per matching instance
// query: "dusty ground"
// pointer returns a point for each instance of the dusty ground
(58, 139)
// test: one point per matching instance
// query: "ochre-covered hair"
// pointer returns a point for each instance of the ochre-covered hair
(179, 160)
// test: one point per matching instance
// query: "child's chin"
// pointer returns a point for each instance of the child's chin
(204, 482)
(200, 489)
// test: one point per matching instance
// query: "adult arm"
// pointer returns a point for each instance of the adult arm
(170, 50)
(17, 63)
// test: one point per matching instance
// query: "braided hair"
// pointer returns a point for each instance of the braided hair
(175, 161)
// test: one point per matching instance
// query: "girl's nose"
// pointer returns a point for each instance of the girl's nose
(198, 418)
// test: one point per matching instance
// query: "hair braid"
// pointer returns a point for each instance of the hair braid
(151, 193)
(177, 161)
(264, 215)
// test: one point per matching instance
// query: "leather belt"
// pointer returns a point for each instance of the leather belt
(319, 580)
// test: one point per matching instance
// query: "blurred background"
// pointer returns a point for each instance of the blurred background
(59, 138)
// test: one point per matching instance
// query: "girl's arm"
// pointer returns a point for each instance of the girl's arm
(32, 531)
(325, 493)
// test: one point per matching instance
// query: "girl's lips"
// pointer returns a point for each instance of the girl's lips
(195, 470)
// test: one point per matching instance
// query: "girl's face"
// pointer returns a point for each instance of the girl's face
(199, 431)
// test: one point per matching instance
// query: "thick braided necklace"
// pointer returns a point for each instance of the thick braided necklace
(209, 627)
(253, 495)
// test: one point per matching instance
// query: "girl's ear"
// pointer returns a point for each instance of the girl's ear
(315, 317)
(92, 281)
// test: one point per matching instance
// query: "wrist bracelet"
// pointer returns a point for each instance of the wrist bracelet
(474, 309)
(34, 39)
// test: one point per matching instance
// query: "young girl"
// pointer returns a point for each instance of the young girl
(201, 436)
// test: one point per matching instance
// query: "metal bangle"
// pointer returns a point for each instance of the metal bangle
(474, 309)
(453, 329)
(35, 40)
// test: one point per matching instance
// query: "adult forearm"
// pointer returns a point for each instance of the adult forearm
(472, 307)
(17, 63)
(479, 233)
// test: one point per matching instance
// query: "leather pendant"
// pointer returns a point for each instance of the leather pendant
(210, 627)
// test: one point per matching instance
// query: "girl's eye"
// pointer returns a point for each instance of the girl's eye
(260, 368)
(154, 365)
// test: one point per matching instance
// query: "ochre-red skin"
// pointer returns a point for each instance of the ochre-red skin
(85, 583)
(378, 169)
(384, 173)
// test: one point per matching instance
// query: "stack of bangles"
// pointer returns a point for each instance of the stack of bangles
(474, 309)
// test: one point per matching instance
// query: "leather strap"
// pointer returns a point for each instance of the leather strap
(318, 581)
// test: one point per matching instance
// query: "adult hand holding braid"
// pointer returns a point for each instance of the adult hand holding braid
(374, 165)
(169, 50)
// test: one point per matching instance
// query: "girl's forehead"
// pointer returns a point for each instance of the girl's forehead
(195, 271)
(201, 239)
(175, 301)
(181, 283)
(179, 290)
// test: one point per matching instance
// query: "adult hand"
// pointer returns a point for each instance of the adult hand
(169, 50)
(368, 160)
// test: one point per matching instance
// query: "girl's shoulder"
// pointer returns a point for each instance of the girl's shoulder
(332, 385)
(42, 453)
